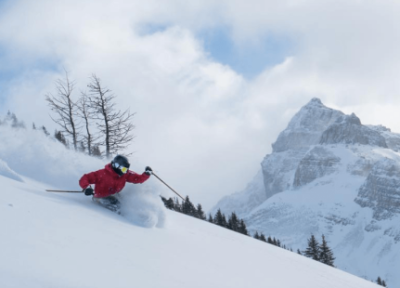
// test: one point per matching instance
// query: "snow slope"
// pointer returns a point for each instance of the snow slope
(66, 240)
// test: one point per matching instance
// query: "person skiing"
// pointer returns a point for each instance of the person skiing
(110, 181)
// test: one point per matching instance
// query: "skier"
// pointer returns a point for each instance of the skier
(110, 181)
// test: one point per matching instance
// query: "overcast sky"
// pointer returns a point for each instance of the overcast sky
(212, 82)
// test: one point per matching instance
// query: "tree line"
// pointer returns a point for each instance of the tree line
(233, 222)
(319, 252)
(90, 123)
(12, 121)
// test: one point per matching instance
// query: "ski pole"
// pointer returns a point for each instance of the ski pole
(67, 191)
(167, 185)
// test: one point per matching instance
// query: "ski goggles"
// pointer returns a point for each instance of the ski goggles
(120, 167)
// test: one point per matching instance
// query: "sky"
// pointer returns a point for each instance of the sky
(212, 83)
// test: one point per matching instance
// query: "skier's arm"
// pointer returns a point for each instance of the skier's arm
(133, 177)
(87, 179)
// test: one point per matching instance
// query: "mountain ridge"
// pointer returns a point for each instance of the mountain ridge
(330, 174)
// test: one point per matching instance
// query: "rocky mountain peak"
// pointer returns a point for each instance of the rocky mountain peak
(315, 101)
(307, 126)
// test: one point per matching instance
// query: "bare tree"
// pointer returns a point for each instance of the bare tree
(86, 113)
(116, 126)
(65, 108)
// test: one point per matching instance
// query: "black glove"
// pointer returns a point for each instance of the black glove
(148, 170)
(89, 191)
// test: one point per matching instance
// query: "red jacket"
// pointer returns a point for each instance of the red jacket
(108, 182)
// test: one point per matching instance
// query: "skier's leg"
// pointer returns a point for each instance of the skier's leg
(110, 202)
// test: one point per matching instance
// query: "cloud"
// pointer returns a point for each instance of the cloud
(202, 125)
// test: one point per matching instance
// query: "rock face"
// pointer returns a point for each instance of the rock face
(348, 130)
(317, 163)
(381, 189)
(330, 174)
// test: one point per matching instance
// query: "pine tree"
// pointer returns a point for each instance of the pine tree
(242, 228)
(188, 207)
(200, 213)
(33, 126)
(299, 252)
(262, 237)
(170, 204)
(379, 281)
(234, 222)
(326, 254)
(60, 137)
(45, 131)
(210, 219)
(224, 222)
(220, 219)
(313, 249)
(177, 205)
(256, 236)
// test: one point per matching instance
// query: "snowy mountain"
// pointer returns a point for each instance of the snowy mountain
(66, 240)
(329, 174)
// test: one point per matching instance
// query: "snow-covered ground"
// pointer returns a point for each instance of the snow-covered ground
(66, 240)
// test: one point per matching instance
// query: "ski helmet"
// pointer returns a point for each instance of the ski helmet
(120, 164)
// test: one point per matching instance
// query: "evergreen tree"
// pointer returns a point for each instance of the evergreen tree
(224, 222)
(262, 237)
(177, 205)
(379, 281)
(33, 126)
(269, 240)
(210, 219)
(200, 213)
(326, 254)
(242, 228)
(170, 204)
(233, 222)
(59, 136)
(256, 236)
(220, 219)
(45, 131)
(299, 252)
(188, 207)
(313, 249)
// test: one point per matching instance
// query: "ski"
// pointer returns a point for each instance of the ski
(66, 191)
